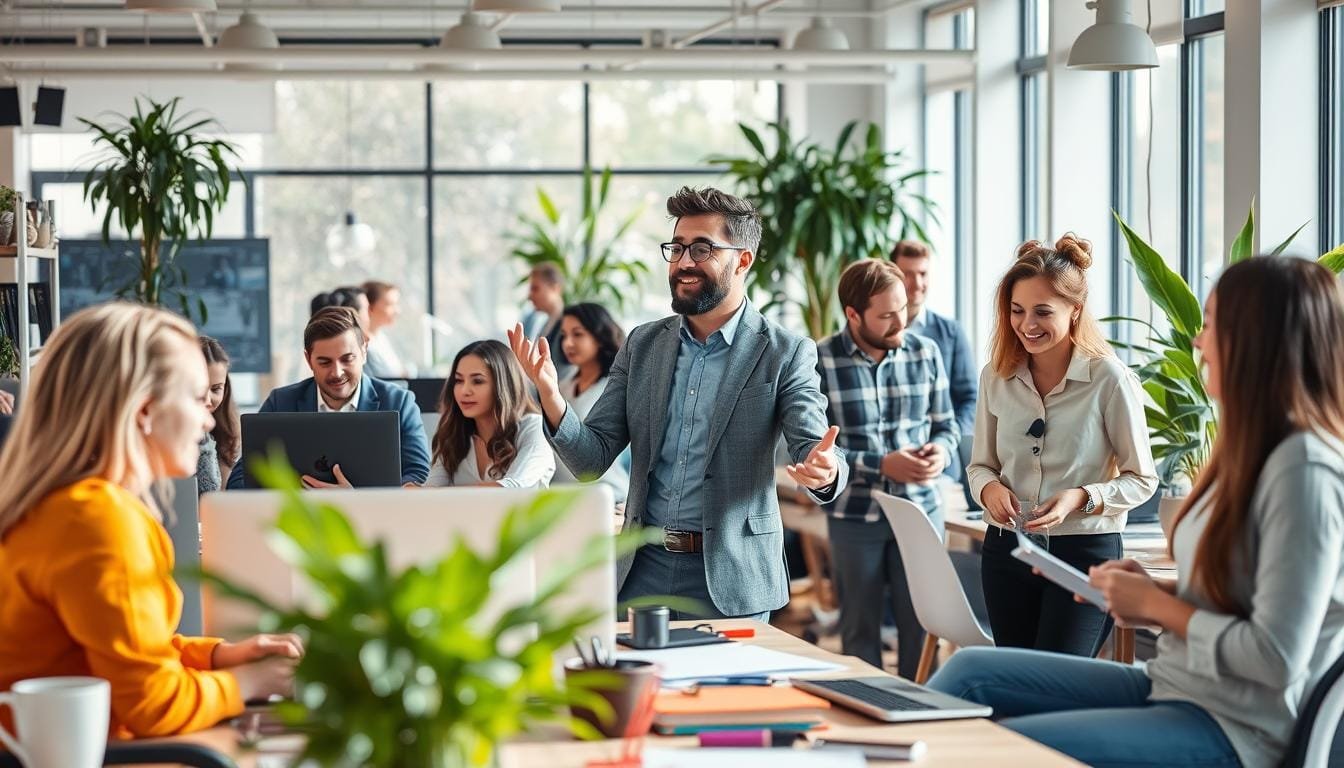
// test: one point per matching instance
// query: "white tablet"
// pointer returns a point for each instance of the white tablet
(1058, 571)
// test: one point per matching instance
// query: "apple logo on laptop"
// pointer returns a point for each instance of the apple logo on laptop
(322, 465)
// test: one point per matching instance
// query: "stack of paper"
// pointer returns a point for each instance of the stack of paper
(736, 708)
(736, 758)
(685, 665)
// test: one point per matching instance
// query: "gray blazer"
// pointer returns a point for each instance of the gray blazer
(770, 387)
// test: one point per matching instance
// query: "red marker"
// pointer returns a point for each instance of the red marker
(738, 632)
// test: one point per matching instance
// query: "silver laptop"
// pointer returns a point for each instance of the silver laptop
(892, 699)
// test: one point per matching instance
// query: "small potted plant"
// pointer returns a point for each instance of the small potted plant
(7, 198)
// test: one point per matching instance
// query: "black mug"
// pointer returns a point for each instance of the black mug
(648, 626)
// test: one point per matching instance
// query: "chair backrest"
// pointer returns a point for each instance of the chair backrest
(185, 532)
(964, 450)
(940, 603)
(1314, 731)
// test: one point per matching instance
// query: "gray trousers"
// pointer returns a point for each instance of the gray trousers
(677, 574)
(869, 578)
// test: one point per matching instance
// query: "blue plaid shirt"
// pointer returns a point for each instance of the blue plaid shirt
(900, 401)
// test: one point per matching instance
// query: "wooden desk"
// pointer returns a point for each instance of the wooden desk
(951, 743)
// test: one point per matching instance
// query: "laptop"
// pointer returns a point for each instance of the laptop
(367, 445)
(892, 699)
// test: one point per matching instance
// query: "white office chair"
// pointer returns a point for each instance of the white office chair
(940, 602)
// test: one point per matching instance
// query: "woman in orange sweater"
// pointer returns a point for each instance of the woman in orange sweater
(117, 406)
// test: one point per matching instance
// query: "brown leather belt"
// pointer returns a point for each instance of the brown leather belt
(682, 541)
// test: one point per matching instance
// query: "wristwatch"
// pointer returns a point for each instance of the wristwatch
(1091, 505)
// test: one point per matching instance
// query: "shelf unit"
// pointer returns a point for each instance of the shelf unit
(21, 264)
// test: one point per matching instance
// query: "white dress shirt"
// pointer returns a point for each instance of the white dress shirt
(532, 466)
(351, 405)
(1095, 438)
(582, 402)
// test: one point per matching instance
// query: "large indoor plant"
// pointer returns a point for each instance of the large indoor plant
(594, 269)
(1182, 421)
(403, 667)
(161, 177)
(824, 208)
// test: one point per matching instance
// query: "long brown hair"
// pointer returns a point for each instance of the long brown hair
(228, 433)
(79, 419)
(1064, 266)
(452, 440)
(1280, 337)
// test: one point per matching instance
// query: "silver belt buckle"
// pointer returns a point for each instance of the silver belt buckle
(673, 541)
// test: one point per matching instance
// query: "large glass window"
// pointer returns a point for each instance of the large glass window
(1205, 140)
(1332, 125)
(674, 124)
(516, 124)
(1035, 21)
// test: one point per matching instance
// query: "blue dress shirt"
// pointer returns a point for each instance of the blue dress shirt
(675, 497)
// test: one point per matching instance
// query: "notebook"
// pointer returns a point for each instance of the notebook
(737, 706)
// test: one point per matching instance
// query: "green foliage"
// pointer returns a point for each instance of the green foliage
(9, 356)
(401, 668)
(1182, 422)
(160, 176)
(594, 271)
(7, 197)
(824, 208)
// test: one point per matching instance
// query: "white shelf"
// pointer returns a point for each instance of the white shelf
(12, 251)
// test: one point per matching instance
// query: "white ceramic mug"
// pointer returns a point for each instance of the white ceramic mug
(62, 722)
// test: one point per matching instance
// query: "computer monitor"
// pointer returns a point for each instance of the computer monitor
(367, 445)
(427, 392)
(415, 526)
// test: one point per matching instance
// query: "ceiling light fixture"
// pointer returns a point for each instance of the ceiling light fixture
(172, 6)
(249, 34)
(516, 6)
(1114, 43)
(820, 36)
(472, 33)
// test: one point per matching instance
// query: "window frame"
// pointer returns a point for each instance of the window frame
(1331, 194)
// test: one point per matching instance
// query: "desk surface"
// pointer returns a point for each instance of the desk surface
(951, 743)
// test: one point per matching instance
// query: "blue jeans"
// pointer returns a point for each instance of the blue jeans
(1097, 712)
(674, 574)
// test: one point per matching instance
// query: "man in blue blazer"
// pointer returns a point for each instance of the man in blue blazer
(915, 261)
(335, 348)
(702, 398)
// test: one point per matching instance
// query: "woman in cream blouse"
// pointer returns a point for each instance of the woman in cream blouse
(490, 433)
(1061, 448)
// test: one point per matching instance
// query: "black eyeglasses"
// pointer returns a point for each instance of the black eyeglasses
(672, 252)
(1036, 431)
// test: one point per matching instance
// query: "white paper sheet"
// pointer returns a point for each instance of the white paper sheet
(727, 660)
(738, 757)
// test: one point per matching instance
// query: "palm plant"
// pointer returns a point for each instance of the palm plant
(401, 669)
(1182, 422)
(594, 271)
(159, 176)
(824, 208)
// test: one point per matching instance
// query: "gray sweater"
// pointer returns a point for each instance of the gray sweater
(1253, 674)
(207, 467)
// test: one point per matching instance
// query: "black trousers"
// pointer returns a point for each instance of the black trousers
(1027, 611)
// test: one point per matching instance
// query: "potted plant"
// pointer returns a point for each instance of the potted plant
(161, 177)
(7, 198)
(593, 270)
(400, 667)
(1182, 421)
(825, 207)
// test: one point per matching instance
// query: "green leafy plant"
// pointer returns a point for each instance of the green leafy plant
(824, 208)
(161, 177)
(9, 357)
(7, 197)
(401, 668)
(594, 271)
(1182, 422)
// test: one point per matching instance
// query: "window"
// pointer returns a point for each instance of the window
(1031, 66)
(1204, 163)
(1332, 128)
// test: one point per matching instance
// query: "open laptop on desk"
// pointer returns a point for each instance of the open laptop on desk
(892, 699)
(367, 445)
(415, 527)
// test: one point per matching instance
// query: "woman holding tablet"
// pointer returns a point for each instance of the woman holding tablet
(490, 433)
(1061, 448)
(85, 562)
(1258, 613)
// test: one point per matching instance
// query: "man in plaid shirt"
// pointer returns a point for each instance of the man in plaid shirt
(887, 391)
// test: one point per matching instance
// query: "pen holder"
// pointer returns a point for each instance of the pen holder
(630, 696)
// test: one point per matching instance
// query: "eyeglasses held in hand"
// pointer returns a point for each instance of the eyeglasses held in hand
(672, 252)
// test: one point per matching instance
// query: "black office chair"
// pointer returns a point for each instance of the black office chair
(1314, 732)
(160, 753)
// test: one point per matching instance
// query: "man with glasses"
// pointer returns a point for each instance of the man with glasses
(702, 398)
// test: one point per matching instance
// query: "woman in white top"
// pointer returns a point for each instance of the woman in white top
(490, 432)
(590, 339)
(1061, 448)
(384, 309)
(1256, 616)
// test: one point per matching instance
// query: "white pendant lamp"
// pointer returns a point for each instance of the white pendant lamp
(172, 6)
(820, 36)
(516, 6)
(472, 34)
(350, 241)
(1114, 43)
(249, 34)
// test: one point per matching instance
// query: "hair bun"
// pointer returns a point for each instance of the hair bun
(1028, 249)
(1075, 249)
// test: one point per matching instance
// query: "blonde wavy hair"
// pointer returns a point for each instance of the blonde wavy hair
(1064, 267)
(78, 418)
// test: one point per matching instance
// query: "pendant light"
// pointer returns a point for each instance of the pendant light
(349, 240)
(820, 36)
(472, 33)
(249, 34)
(1114, 43)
